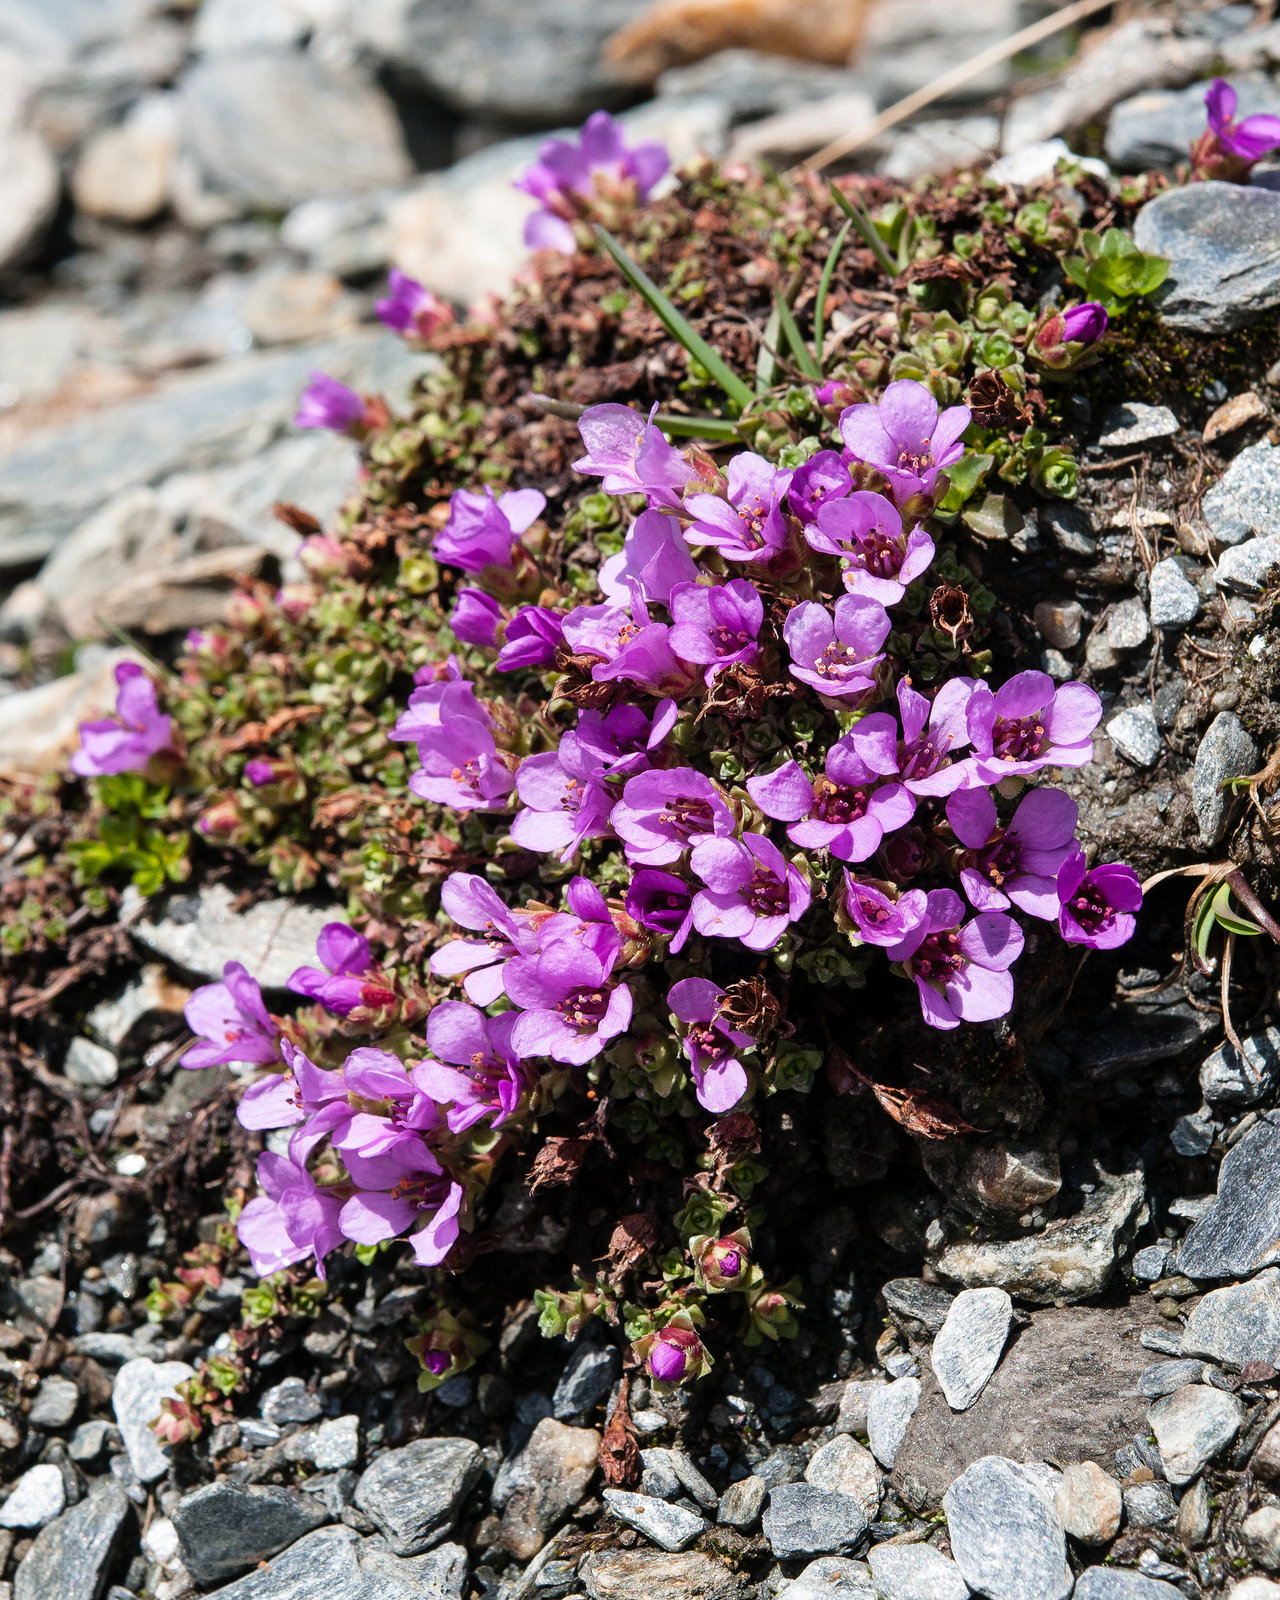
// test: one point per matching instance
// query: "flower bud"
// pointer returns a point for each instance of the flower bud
(296, 599)
(674, 1354)
(324, 556)
(223, 821)
(722, 1264)
(1067, 340)
(245, 610)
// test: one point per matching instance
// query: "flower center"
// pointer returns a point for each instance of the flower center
(685, 816)
(752, 513)
(1020, 738)
(916, 462)
(766, 894)
(871, 911)
(832, 803)
(584, 1008)
(730, 1264)
(728, 642)
(1090, 909)
(1000, 860)
(877, 554)
(926, 753)
(939, 957)
(468, 774)
(839, 662)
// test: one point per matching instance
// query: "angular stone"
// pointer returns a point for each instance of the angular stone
(1254, 1589)
(854, 1402)
(1223, 244)
(755, 84)
(55, 1404)
(1237, 1325)
(1136, 423)
(71, 1554)
(802, 1520)
(1195, 1515)
(1005, 1535)
(1191, 1426)
(1113, 1583)
(1134, 733)
(141, 1385)
(968, 1346)
(414, 1494)
(336, 1562)
(1071, 1259)
(889, 1411)
(1226, 751)
(1243, 501)
(915, 1572)
(1227, 1078)
(1167, 1377)
(1261, 1531)
(202, 932)
(844, 1466)
(646, 1574)
(1175, 602)
(28, 171)
(290, 1401)
(913, 1300)
(742, 1503)
(226, 1528)
(670, 1527)
(1150, 1505)
(555, 1470)
(1240, 1233)
(1066, 1391)
(89, 1065)
(585, 1381)
(38, 1497)
(1059, 624)
(830, 1578)
(1088, 1503)
(1248, 566)
(335, 1444)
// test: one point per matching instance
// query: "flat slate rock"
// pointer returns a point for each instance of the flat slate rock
(1228, 1077)
(1066, 1391)
(648, 1574)
(226, 1528)
(1237, 1325)
(1112, 1583)
(413, 1494)
(70, 1555)
(968, 1346)
(337, 1564)
(831, 1578)
(1156, 128)
(915, 1572)
(1241, 1232)
(889, 1413)
(201, 932)
(670, 1527)
(1226, 751)
(1005, 1535)
(1246, 498)
(1223, 243)
(803, 1520)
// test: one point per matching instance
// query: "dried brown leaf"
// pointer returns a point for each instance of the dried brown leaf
(557, 1163)
(619, 1453)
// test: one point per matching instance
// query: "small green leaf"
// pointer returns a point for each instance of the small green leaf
(767, 360)
(1230, 920)
(800, 350)
(1202, 930)
(870, 236)
(676, 325)
(824, 285)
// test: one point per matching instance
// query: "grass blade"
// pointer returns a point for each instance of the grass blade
(824, 284)
(767, 360)
(692, 425)
(675, 324)
(799, 349)
(863, 223)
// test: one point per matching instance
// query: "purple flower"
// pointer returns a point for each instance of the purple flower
(461, 768)
(1028, 724)
(880, 918)
(565, 799)
(662, 903)
(714, 625)
(483, 1078)
(566, 173)
(476, 618)
(1097, 908)
(905, 438)
(437, 704)
(930, 732)
(632, 456)
(259, 773)
(291, 1220)
(380, 1147)
(1247, 140)
(662, 813)
(654, 556)
(533, 636)
(838, 658)
(1018, 864)
(750, 525)
(412, 1192)
(126, 742)
(326, 403)
(823, 479)
(483, 528)
(752, 892)
(411, 309)
(631, 647)
(283, 1098)
(1085, 324)
(570, 1008)
(232, 1020)
(472, 903)
(338, 982)
(879, 560)
(624, 738)
(675, 1352)
(961, 973)
(720, 1080)
(847, 812)
(1067, 340)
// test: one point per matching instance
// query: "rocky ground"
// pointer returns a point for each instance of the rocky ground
(1032, 1362)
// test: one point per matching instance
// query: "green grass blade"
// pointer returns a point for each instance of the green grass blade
(767, 360)
(676, 325)
(863, 223)
(824, 284)
(697, 427)
(799, 349)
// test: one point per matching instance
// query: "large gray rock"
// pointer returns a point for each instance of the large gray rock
(414, 1494)
(336, 1562)
(1114, 1583)
(1237, 1325)
(1191, 1426)
(1247, 567)
(1005, 1535)
(915, 1572)
(28, 172)
(1246, 498)
(140, 1388)
(1071, 1259)
(71, 1555)
(803, 1520)
(645, 1574)
(846, 1467)
(201, 932)
(670, 1527)
(551, 1476)
(1229, 1078)
(1240, 1234)
(1223, 243)
(226, 1528)
(274, 128)
(1156, 129)
(1227, 751)
(753, 84)
(535, 62)
(967, 1348)
(1066, 1391)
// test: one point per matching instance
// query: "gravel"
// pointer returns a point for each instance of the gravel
(141, 1385)
(1239, 1324)
(413, 1494)
(1226, 751)
(1135, 734)
(38, 1497)
(1193, 1425)
(842, 1464)
(1174, 602)
(803, 1520)
(1135, 423)
(226, 1528)
(670, 1527)
(915, 1572)
(742, 1503)
(889, 1411)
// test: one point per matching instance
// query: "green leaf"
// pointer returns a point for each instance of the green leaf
(676, 325)
(824, 284)
(800, 350)
(994, 518)
(964, 477)
(696, 426)
(767, 360)
(1230, 920)
(870, 236)
(1202, 929)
